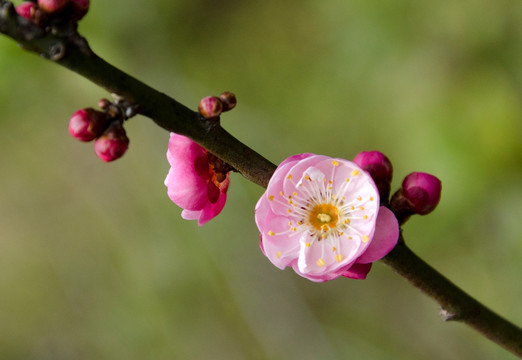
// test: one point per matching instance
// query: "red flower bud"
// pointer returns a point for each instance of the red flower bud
(87, 124)
(419, 194)
(51, 6)
(380, 169)
(423, 191)
(113, 143)
(80, 8)
(229, 100)
(26, 9)
(210, 107)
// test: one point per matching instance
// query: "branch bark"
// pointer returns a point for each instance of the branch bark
(72, 51)
(456, 305)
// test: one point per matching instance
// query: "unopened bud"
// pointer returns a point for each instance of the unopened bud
(210, 107)
(419, 194)
(380, 169)
(103, 104)
(51, 6)
(27, 10)
(113, 143)
(87, 124)
(80, 8)
(229, 100)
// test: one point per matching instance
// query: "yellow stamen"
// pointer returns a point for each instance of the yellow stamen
(324, 216)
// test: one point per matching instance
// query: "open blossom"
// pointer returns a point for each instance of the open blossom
(197, 180)
(321, 216)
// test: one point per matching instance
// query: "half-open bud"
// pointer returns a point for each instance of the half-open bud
(113, 143)
(419, 194)
(87, 124)
(380, 169)
(210, 107)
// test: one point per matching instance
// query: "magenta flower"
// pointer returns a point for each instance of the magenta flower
(321, 216)
(197, 180)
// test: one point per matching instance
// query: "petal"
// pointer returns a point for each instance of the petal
(279, 203)
(212, 192)
(295, 158)
(190, 215)
(384, 239)
(211, 210)
(280, 244)
(358, 271)
(325, 259)
(295, 174)
(261, 211)
(187, 185)
(192, 196)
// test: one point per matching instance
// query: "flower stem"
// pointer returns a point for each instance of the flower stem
(456, 304)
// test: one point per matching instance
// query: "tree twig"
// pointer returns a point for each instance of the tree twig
(456, 305)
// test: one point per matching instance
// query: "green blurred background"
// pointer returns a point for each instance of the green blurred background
(96, 263)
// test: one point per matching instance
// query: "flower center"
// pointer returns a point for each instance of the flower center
(324, 216)
(217, 170)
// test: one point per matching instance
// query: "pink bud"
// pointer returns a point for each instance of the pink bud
(229, 100)
(380, 169)
(113, 143)
(423, 191)
(80, 8)
(210, 107)
(51, 6)
(26, 9)
(87, 124)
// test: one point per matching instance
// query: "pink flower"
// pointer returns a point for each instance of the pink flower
(321, 216)
(197, 180)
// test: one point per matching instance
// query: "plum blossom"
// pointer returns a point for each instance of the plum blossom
(197, 181)
(321, 216)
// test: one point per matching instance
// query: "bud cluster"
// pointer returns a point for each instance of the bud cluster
(419, 192)
(104, 127)
(210, 107)
(49, 12)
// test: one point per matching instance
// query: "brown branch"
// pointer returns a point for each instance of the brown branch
(71, 50)
(456, 305)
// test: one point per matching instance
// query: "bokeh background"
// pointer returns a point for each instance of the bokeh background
(96, 263)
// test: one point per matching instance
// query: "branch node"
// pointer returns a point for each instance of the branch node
(448, 316)
(57, 51)
(7, 9)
